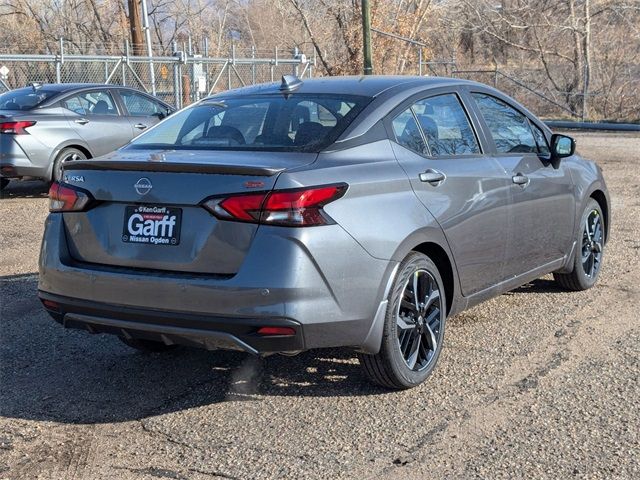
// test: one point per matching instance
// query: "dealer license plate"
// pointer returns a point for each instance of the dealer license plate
(152, 224)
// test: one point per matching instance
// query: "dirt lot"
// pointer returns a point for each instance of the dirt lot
(538, 383)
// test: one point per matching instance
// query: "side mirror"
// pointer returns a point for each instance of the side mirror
(562, 146)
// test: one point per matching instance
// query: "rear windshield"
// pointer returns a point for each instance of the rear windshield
(25, 98)
(274, 123)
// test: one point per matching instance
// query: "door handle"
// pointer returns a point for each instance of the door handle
(140, 126)
(81, 121)
(520, 179)
(434, 177)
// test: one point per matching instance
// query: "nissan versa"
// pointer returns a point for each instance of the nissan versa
(339, 212)
(43, 126)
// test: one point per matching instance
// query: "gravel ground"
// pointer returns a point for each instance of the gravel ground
(538, 383)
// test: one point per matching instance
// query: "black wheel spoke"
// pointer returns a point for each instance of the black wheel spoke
(414, 351)
(592, 244)
(418, 320)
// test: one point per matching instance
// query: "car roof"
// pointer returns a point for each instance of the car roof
(67, 87)
(366, 85)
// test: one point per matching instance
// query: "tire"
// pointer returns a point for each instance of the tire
(65, 155)
(3, 183)
(147, 346)
(394, 366)
(587, 260)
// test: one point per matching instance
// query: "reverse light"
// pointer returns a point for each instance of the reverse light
(300, 207)
(64, 198)
(16, 128)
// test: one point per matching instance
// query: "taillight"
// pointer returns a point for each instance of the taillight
(16, 128)
(65, 198)
(291, 208)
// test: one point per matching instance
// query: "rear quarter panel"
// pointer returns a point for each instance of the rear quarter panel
(380, 211)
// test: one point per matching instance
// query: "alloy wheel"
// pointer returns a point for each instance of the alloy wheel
(419, 318)
(592, 237)
(60, 164)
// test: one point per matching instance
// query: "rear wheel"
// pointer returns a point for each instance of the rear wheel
(148, 346)
(414, 327)
(66, 155)
(588, 256)
(3, 183)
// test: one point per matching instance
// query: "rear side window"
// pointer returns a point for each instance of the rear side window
(95, 102)
(509, 128)
(407, 132)
(25, 98)
(272, 122)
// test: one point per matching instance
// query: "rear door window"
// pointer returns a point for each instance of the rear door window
(94, 102)
(272, 122)
(445, 126)
(436, 126)
(509, 128)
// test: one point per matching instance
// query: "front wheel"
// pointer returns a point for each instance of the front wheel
(414, 327)
(589, 251)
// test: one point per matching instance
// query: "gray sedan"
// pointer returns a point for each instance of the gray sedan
(42, 126)
(339, 212)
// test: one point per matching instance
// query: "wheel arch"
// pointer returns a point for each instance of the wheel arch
(440, 257)
(600, 197)
(431, 242)
(69, 144)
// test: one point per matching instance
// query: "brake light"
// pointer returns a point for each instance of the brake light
(290, 208)
(16, 128)
(64, 198)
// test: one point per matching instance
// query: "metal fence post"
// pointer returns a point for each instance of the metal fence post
(176, 77)
(232, 62)
(124, 64)
(253, 65)
(59, 61)
(206, 64)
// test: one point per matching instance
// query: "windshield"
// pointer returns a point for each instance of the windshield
(273, 122)
(24, 98)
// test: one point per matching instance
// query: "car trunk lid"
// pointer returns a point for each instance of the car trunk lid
(148, 212)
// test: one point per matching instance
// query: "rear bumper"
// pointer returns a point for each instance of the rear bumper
(171, 327)
(15, 163)
(325, 284)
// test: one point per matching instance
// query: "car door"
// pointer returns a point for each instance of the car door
(464, 189)
(541, 215)
(142, 111)
(95, 117)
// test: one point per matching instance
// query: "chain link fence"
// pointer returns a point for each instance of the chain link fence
(179, 79)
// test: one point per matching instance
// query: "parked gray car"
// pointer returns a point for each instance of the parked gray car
(338, 212)
(43, 126)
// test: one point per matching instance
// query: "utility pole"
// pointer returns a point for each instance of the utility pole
(366, 37)
(135, 26)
